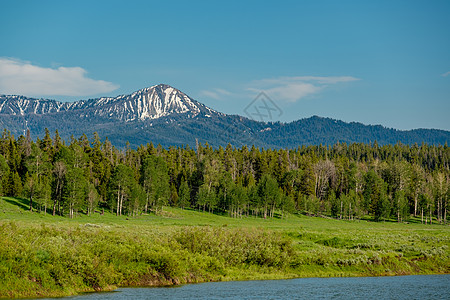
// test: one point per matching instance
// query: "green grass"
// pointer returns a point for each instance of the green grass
(44, 255)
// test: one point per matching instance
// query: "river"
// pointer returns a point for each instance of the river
(399, 287)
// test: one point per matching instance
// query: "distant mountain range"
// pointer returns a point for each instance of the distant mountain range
(164, 115)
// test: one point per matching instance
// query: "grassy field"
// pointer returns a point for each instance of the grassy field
(44, 255)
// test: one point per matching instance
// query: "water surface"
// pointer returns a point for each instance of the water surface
(400, 287)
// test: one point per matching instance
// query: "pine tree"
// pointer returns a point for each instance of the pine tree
(184, 198)
(4, 175)
(15, 185)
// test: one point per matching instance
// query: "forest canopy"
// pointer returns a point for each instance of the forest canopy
(341, 181)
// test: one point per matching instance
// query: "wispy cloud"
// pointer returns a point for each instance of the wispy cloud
(446, 74)
(215, 93)
(292, 89)
(24, 78)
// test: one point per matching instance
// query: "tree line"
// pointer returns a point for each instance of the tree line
(342, 181)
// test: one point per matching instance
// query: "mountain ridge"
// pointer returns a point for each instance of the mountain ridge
(164, 115)
(147, 103)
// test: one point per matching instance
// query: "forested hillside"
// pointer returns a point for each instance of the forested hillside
(345, 181)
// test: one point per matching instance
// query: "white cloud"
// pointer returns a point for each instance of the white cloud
(20, 77)
(215, 93)
(446, 74)
(292, 89)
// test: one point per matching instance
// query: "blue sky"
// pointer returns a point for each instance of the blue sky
(376, 62)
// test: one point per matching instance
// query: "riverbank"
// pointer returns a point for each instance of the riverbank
(43, 255)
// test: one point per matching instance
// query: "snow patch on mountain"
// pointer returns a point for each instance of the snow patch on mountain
(148, 103)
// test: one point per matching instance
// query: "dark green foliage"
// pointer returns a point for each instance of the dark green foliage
(15, 186)
(155, 181)
(123, 187)
(184, 195)
(389, 182)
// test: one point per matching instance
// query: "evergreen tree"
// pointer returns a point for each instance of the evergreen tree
(4, 175)
(184, 195)
(287, 205)
(382, 206)
(15, 185)
(344, 181)
(155, 180)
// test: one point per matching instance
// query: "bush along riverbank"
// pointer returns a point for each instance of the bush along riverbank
(40, 259)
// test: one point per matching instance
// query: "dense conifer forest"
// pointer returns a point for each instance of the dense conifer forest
(90, 176)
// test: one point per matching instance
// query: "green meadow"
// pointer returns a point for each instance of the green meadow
(44, 255)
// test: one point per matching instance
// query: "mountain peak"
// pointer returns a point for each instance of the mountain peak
(153, 102)
(161, 86)
(164, 86)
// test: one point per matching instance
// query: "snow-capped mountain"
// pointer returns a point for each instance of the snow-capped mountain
(148, 103)
(21, 105)
(164, 115)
